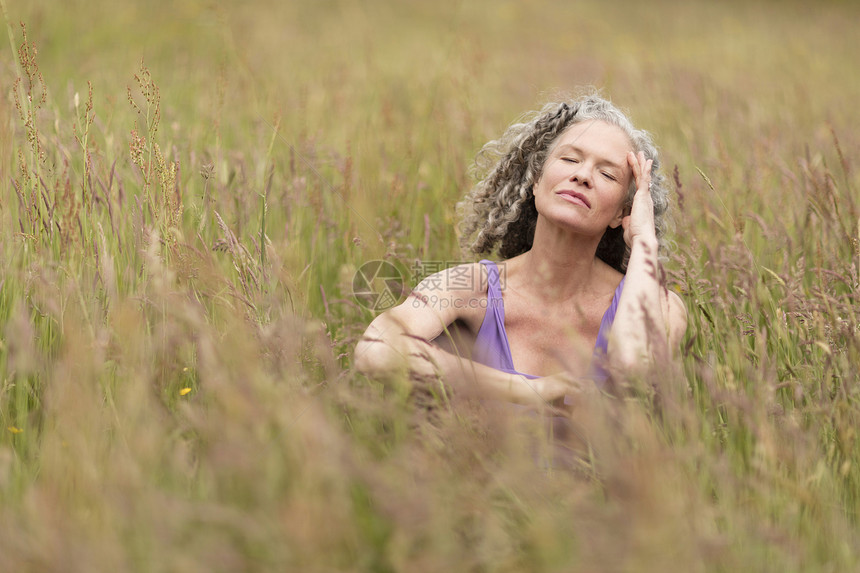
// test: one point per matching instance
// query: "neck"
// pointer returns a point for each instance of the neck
(560, 264)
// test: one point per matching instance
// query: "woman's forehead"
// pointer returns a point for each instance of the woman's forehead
(595, 136)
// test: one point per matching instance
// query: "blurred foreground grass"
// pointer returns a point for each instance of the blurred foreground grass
(188, 189)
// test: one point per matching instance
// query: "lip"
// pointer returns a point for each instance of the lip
(575, 197)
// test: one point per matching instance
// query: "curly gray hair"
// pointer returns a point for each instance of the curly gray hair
(501, 207)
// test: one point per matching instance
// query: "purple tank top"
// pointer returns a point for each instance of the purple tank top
(491, 344)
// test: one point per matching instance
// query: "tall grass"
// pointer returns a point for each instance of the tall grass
(189, 188)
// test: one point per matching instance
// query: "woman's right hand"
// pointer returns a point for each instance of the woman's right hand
(640, 222)
(553, 389)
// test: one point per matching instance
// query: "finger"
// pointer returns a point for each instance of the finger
(647, 175)
(644, 179)
(633, 161)
(644, 166)
(640, 167)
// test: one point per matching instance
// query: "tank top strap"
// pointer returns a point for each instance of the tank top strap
(608, 319)
(491, 343)
(494, 287)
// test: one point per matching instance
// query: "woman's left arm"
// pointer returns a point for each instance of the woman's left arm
(650, 320)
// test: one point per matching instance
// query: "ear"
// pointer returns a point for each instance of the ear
(619, 216)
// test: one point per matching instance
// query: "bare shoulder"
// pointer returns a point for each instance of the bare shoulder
(675, 312)
(460, 281)
(455, 292)
(675, 305)
(440, 299)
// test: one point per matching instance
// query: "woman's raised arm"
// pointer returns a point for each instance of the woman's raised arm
(650, 320)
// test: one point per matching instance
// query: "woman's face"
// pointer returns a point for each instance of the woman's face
(585, 178)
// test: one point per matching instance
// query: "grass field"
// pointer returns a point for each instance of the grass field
(189, 187)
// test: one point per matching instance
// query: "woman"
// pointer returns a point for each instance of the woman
(574, 201)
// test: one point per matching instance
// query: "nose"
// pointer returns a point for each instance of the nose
(581, 175)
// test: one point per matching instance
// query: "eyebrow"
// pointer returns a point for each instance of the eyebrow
(579, 150)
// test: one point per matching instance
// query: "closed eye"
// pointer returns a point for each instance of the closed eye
(570, 159)
(610, 176)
